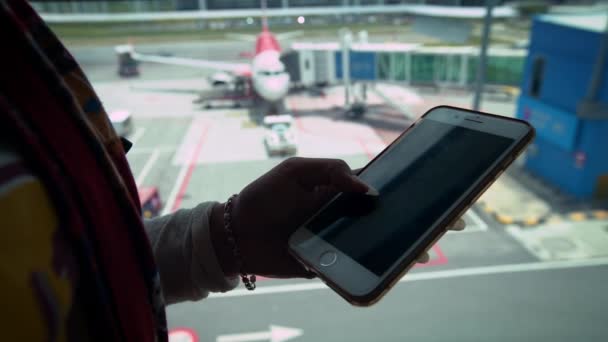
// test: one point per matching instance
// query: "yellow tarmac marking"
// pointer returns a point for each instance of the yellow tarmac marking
(578, 216)
(531, 221)
(504, 219)
(601, 214)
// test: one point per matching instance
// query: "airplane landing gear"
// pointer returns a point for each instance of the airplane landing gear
(356, 110)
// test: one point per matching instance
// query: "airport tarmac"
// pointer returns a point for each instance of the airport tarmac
(490, 282)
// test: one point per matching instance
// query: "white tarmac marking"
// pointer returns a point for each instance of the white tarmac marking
(137, 135)
(191, 139)
(481, 224)
(565, 240)
(144, 150)
(147, 167)
(173, 195)
(275, 334)
(446, 274)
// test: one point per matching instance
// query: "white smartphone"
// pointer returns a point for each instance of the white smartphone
(427, 178)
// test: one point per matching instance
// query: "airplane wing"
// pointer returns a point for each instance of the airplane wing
(252, 38)
(238, 69)
(288, 35)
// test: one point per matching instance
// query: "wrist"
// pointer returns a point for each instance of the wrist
(221, 245)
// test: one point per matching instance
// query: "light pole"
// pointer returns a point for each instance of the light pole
(483, 53)
(346, 40)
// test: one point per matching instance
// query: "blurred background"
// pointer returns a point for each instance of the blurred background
(215, 93)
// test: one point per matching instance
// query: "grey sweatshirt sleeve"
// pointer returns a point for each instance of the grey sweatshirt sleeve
(187, 263)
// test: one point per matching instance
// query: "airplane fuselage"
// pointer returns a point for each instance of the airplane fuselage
(269, 78)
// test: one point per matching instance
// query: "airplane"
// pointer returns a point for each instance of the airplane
(265, 80)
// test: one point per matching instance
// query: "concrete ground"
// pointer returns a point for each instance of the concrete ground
(491, 282)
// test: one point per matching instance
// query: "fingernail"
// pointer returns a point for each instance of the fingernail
(460, 224)
(424, 258)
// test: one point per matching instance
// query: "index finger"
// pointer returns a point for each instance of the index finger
(313, 172)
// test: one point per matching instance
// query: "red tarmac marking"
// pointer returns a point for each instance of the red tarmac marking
(191, 165)
(370, 155)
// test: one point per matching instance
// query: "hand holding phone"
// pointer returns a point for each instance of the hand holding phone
(269, 209)
(427, 178)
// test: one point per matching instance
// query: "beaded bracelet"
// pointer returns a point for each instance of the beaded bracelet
(248, 279)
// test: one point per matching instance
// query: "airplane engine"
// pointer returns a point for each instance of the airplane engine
(220, 79)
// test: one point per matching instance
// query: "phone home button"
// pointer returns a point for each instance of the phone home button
(328, 258)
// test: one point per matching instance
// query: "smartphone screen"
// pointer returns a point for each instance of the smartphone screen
(419, 180)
